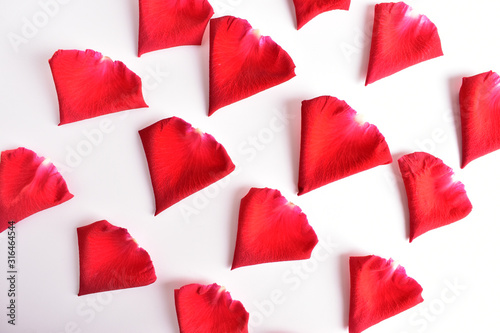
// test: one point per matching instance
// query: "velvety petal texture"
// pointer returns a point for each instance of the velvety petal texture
(89, 85)
(270, 229)
(306, 10)
(110, 259)
(242, 62)
(380, 289)
(401, 38)
(336, 143)
(28, 184)
(434, 198)
(210, 308)
(182, 160)
(169, 23)
(480, 115)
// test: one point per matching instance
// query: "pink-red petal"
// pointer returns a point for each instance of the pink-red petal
(336, 144)
(170, 23)
(434, 198)
(242, 62)
(182, 160)
(271, 229)
(401, 38)
(380, 289)
(209, 308)
(480, 115)
(89, 85)
(28, 184)
(306, 10)
(110, 259)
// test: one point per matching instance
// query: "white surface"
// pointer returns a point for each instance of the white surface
(364, 214)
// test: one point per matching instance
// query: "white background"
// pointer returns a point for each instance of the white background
(363, 214)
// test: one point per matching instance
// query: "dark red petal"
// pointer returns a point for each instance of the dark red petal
(434, 199)
(169, 23)
(110, 259)
(89, 85)
(243, 63)
(271, 229)
(204, 309)
(401, 38)
(380, 289)
(182, 160)
(28, 184)
(306, 10)
(336, 144)
(480, 114)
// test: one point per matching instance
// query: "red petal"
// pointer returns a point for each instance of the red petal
(434, 199)
(243, 63)
(380, 289)
(401, 38)
(169, 23)
(90, 85)
(336, 144)
(306, 10)
(204, 309)
(182, 160)
(271, 229)
(480, 114)
(110, 259)
(28, 184)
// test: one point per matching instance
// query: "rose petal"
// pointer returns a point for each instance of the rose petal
(306, 10)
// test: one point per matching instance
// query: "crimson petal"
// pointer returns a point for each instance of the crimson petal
(28, 184)
(401, 38)
(480, 115)
(380, 289)
(89, 85)
(110, 259)
(271, 229)
(434, 199)
(243, 63)
(336, 144)
(169, 23)
(203, 309)
(306, 10)
(182, 160)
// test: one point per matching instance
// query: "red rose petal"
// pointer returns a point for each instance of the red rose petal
(336, 144)
(271, 229)
(90, 85)
(480, 114)
(110, 259)
(28, 184)
(306, 10)
(380, 289)
(401, 38)
(204, 309)
(182, 160)
(243, 63)
(434, 199)
(169, 23)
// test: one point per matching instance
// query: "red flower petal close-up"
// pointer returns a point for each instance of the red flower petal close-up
(182, 160)
(480, 115)
(380, 289)
(306, 10)
(401, 38)
(434, 198)
(336, 143)
(209, 308)
(89, 85)
(242, 62)
(271, 229)
(28, 184)
(111, 259)
(170, 23)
